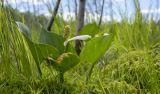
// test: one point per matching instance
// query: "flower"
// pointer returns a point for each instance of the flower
(67, 32)
(105, 34)
(81, 37)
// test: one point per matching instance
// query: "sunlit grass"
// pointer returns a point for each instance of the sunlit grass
(130, 66)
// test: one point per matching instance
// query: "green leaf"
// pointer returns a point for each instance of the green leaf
(41, 51)
(95, 48)
(64, 62)
(68, 62)
(23, 28)
(70, 48)
(52, 39)
(89, 29)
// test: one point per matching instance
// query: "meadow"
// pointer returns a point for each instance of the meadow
(116, 58)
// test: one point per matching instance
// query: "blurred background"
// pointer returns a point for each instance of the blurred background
(68, 10)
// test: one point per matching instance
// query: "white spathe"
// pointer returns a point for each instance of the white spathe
(81, 37)
(105, 34)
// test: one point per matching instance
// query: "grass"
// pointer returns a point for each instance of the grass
(130, 66)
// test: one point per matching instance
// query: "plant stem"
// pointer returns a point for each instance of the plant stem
(100, 21)
(80, 24)
(53, 15)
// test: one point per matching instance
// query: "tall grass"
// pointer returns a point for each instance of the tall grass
(18, 71)
(130, 66)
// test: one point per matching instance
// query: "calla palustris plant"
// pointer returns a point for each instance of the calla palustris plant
(56, 50)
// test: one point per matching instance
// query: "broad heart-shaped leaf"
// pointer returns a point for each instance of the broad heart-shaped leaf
(67, 61)
(89, 29)
(23, 28)
(52, 39)
(95, 48)
(41, 51)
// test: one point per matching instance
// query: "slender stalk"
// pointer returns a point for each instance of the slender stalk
(80, 23)
(53, 15)
(100, 21)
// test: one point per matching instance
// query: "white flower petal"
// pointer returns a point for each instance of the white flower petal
(65, 43)
(82, 37)
(105, 34)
